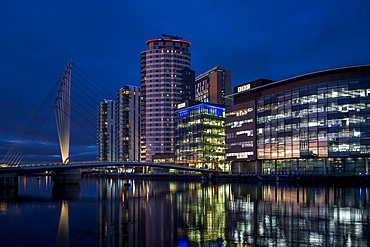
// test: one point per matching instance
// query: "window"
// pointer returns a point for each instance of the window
(239, 123)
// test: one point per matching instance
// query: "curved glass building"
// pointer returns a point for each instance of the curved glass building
(315, 123)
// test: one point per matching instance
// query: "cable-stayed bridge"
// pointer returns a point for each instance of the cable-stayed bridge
(59, 101)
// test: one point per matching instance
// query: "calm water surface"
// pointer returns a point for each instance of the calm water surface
(116, 212)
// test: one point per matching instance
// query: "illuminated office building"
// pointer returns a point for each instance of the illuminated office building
(200, 136)
(315, 123)
(210, 88)
(166, 81)
(106, 143)
(213, 85)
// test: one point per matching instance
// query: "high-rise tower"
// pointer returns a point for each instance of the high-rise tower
(106, 145)
(162, 88)
(127, 124)
(119, 126)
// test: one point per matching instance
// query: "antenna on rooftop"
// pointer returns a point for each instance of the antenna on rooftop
(171, 36)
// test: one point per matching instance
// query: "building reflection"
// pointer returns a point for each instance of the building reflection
(168, 213)
(155, 213)
(285, 216)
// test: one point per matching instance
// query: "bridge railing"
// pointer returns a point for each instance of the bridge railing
(89, 164)
(95, 162)
(60, 163)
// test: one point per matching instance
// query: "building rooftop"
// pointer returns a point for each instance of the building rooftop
(171, 40)
(207, 73)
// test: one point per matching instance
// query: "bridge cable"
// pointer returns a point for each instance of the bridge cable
(84, 108)
(84, 101)
(17, 145)
(38, 125)
(86, 88)
(92, 80)
(28, 131)
(95, 118)
(76, 112)
(83, 91)
(77, 122)
(21, 157)
(79, 96)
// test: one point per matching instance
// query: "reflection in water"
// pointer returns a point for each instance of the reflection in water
(63, 229)
(9, 194)
(177, 213)
(115, 212)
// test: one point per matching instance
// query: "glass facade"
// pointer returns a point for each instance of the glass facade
(240, 132)
(200, 137)
(337, 166)
(202, 91)
(311, 125)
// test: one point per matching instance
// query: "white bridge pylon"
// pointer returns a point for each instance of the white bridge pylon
(62, 106)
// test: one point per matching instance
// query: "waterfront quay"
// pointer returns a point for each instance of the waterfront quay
(307, 180)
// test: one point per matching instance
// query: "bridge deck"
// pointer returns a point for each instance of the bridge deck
(30, 168)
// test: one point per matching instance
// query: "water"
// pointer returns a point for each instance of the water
(115, 212)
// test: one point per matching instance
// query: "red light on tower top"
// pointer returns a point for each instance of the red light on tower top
(171, 38)
(182, 41)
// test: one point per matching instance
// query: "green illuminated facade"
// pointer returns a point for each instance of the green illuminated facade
(200, 136)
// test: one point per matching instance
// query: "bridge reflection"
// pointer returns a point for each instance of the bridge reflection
(63, 229)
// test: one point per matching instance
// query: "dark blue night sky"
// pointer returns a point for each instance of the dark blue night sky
(269, 39)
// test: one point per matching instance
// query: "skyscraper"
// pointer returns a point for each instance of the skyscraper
(119, 126)
(106, 145)
(163, 67)
(127, 124)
